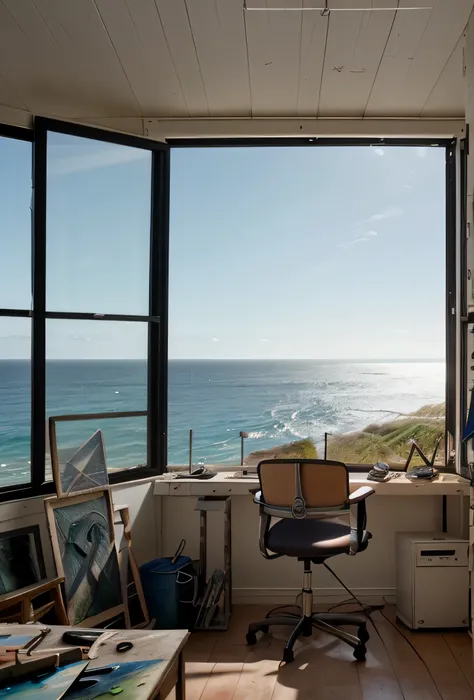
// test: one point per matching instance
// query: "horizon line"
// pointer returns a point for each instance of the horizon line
(233, 359)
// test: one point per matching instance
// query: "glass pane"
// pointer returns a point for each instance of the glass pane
(125, 440)
(315, 308)
(15, 401)
(98, 367)
(98, 226)
(15, 224)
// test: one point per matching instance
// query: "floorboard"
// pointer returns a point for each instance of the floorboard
(219, 666)
(443, 665)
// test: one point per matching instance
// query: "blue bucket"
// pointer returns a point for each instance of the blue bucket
(170, 586)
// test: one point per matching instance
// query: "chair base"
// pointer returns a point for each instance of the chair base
(325, 622)
(304, 623)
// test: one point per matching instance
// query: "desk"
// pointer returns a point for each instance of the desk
(166, 647)
(225, 484)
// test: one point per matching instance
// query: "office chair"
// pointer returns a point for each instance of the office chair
(307, 495)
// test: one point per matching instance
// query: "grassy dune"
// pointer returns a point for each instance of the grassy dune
(302, 449)
(387, 442)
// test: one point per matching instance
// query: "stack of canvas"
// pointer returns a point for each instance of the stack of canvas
(81, 525)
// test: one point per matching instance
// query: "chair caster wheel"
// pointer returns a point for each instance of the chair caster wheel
(363, 635)
(288, 656)
(251, 638)
(359, 652)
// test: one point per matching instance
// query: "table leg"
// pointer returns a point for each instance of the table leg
(181, 682)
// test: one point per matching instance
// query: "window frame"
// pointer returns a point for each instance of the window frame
(449, 144)
(156, 319)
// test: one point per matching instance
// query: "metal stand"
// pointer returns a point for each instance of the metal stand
(220, 504)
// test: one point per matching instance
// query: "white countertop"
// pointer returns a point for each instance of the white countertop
(224, 483)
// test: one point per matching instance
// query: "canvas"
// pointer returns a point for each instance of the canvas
(21, 558)
(51, 686)
(80, 469)
(84, 549)
(129, 680)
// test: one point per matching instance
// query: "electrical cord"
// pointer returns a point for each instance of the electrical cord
(412, 646)
(367, 611)
(282, 607)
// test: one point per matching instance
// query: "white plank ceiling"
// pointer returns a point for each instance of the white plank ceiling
(211, 58)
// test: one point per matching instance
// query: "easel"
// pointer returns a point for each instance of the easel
(126, 560)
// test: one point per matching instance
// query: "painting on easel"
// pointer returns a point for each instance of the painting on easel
(82, 537)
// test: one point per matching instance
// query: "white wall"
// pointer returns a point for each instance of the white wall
(255, 578)
(159, 523)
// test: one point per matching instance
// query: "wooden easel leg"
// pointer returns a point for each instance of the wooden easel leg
(59, 606)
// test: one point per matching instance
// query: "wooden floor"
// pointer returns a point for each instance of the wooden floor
(219, 666)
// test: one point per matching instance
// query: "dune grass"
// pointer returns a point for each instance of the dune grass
(389, 441)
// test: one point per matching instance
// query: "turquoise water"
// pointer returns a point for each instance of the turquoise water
(274, 401)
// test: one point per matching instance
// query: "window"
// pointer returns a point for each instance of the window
(98, 368)
(81, 335)
(15, 305)
(307, 302)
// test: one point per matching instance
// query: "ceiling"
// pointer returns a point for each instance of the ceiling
(83, 59)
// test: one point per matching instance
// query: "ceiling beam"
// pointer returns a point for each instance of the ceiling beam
(162, 129)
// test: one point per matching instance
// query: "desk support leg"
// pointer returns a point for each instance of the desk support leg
(181, 682)
(203, 546)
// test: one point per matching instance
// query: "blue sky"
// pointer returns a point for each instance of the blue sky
(275, 253)
(307, 253)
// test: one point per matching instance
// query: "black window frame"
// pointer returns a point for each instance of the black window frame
(156, 319)
(449, 144)
(157, 389)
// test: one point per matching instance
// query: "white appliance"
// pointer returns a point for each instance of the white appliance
(432, 580)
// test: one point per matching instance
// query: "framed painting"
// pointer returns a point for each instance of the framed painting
(21, 558)
(78, 469)
(83, 542)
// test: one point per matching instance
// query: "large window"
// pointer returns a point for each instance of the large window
(308, 309)
(307, 302)
(82, 300)
(15, 306)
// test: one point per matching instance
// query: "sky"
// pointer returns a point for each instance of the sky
(274, 252)
(307, 253)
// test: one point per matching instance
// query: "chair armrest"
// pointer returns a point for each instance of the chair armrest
(361, 494)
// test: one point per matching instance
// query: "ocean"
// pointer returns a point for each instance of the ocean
(274, 401)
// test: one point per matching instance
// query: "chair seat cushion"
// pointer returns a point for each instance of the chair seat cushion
(311, 539)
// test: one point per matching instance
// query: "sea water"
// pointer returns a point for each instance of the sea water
(274, 401)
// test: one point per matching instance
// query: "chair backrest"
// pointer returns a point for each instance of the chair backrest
(299, 486)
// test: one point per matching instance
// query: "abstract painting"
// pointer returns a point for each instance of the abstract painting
(82, 536)
(52, 686)
(21, 558)
(130, 680)
(79, 469)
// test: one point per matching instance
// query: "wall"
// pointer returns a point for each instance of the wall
(159, 524)
(256, 579)
(144, 513)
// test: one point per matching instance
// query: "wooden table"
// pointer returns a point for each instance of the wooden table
(164, 647)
